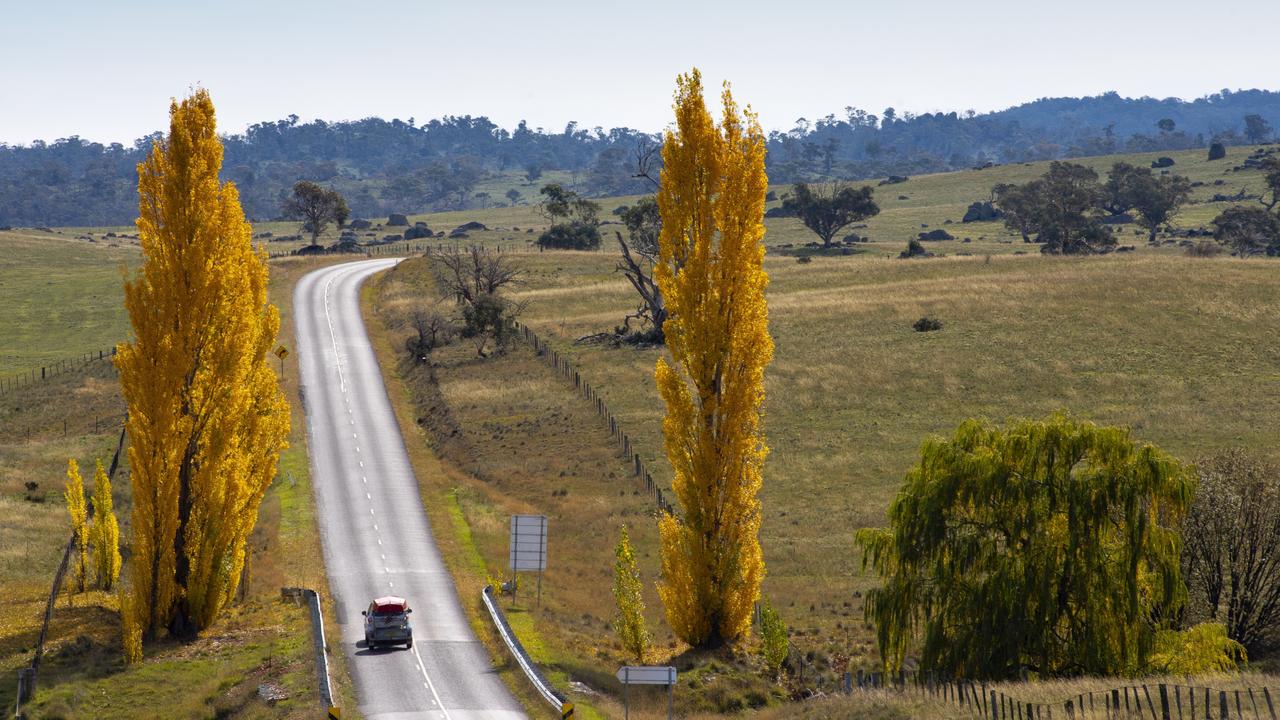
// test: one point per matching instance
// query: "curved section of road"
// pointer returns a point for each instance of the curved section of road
(376, 537)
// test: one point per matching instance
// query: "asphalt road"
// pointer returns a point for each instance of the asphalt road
(377, 540)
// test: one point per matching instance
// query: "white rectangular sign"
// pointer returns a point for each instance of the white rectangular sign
(649, 675)
(528, 543)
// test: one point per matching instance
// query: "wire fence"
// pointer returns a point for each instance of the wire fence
(36, 375)
(1158, 701)
(582, 387)
(27, 676)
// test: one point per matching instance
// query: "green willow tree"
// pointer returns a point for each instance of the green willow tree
(1050, 545)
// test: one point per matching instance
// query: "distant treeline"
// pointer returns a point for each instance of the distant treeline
(383, 166)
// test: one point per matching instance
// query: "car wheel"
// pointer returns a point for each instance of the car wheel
(408, 643)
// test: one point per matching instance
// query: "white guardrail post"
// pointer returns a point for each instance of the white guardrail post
(522, 658)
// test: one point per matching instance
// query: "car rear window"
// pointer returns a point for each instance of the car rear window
(388, 609)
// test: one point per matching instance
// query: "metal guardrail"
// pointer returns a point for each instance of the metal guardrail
(531, 671)
(317, 637)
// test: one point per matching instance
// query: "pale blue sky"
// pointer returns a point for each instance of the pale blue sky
(105, 69)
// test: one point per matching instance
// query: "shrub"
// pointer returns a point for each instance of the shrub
(1217, 151)
(774, 643)
(914, 250)
(927, 324)
(1205, 248)
(576, 235)
(981, 211)
(1204, 648)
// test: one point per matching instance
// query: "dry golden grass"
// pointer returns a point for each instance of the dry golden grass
(1178, 349)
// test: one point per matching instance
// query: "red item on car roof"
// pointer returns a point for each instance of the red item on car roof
(391, 603)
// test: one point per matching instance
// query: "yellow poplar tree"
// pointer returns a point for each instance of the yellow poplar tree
(711, 273)
(74, 494)
(629, 622)
(105, 533)
(207, 419)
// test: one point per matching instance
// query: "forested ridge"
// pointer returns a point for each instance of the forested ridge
(383, 166)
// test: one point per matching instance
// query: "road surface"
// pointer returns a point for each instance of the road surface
(375, 533)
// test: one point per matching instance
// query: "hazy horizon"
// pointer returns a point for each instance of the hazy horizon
(106, 72)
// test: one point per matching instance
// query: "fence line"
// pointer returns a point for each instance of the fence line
(407, 247)
(1162, 701)
(27, 676)
(80, 424)
(582, 387)
(27, 378)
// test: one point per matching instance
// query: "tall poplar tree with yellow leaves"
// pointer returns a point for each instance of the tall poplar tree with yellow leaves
(711, 199)
(207, 419)
(78, 510)
(105, 532)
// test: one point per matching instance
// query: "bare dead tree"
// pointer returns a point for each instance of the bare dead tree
(1231, 537)
(641, 254)
(637, 268)
(468, 273)
(648, 157)
(475, 278)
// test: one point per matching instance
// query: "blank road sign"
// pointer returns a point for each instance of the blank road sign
(528, 543)
(647, 675)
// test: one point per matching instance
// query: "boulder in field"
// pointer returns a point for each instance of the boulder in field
(397, 220)
(936, 235)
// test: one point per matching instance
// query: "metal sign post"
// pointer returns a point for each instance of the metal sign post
(528, 549)
(282, 352)
(630, 675)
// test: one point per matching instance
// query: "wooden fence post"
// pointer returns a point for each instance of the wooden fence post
(1223, 711)
(1266, 695)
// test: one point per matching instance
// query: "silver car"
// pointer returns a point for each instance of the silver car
(386, 622)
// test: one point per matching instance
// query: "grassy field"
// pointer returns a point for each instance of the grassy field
(61, 296)
(1181, 350)
(78, 414)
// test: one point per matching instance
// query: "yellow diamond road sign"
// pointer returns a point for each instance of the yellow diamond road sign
(334, 713)
(282, 352)
(566, 711)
